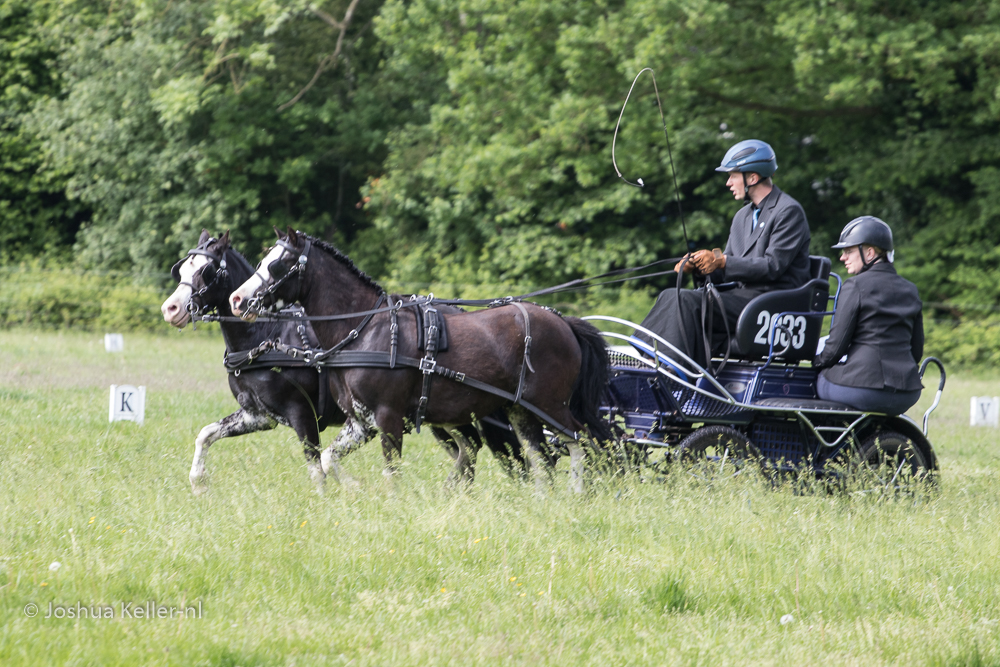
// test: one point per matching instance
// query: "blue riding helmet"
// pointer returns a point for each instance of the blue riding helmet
(750, 155)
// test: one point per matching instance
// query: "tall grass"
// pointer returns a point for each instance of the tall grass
(400, 572)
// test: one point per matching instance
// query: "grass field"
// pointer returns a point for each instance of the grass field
(401, 572)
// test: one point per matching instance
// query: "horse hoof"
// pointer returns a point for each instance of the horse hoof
(199, 488)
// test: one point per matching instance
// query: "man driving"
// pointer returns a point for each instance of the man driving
(768, 248)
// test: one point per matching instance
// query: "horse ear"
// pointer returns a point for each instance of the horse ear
(278, 233)
(293, 236)
(205, 236)
(224, 241)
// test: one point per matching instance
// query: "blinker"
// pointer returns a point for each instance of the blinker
(277, 268)
(175, 270)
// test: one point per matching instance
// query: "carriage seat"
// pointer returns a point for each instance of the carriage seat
(801, 330)
(819, 267)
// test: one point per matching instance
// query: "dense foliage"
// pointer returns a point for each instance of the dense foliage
(468, 143)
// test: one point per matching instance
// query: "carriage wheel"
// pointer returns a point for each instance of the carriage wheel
(892, 461)
(715, 452)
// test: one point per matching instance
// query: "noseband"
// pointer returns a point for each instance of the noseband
(256, 303)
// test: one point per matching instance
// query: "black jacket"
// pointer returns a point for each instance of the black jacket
(775, 255)
(879, 324)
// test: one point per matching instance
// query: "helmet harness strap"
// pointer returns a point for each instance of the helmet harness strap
(746, 188)
(865, 264)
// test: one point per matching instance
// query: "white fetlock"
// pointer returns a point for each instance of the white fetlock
(329, 461)
(318, 476)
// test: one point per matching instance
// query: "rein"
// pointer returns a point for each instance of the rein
(570, 286)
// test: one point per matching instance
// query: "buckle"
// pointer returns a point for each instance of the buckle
(426, 365)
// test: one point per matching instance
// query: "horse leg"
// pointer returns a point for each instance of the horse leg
(389, 423)
(577, 464)
(304, 423)
(502, 441)
(447, 443)
(529, 433)
(465, 462)
(240, 422)
(352, 435)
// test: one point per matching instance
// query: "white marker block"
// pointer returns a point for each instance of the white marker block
(984, 411)
(114, 342)
(128, 403)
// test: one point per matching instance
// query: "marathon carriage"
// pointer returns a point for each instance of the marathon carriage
(761, 404)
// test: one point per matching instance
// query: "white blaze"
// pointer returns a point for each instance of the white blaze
(260, 278)
(174, 309)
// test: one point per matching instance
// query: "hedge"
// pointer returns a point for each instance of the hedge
(75, 299)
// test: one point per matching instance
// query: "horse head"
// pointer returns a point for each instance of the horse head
(278, 278)
(200, 280)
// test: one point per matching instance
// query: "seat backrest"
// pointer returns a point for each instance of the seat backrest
(756, 323)
(819, 267)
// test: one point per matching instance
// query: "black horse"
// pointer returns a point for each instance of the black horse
(276, 392)
(486, 365)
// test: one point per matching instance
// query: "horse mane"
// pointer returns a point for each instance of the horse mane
(233, 256)
(346, 261)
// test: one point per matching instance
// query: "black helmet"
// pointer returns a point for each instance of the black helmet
(867, 230)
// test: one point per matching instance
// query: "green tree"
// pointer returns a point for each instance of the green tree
(35, 215)
(873, 107)
(226, 114)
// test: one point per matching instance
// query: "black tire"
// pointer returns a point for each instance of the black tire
(892, 461)
(714, 452)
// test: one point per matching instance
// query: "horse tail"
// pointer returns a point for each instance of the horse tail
(592, 382)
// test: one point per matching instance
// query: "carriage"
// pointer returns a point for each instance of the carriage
(761, 404)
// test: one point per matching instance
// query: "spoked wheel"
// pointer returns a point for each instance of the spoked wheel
(717, 452)
(893, 462)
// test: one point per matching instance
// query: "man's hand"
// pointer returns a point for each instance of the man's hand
(687, 264)
(708, 261)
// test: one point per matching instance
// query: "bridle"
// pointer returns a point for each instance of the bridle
(279, 272)
(196, 309)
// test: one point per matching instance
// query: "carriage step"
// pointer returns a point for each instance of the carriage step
(804, 404)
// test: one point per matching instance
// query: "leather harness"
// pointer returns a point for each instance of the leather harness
(273, 353)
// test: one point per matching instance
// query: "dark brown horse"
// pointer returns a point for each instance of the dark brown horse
(562, 380)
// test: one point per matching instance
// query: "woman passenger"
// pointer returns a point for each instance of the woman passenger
(878, 324)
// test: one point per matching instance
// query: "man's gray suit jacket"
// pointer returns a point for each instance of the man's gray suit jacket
(773, 256)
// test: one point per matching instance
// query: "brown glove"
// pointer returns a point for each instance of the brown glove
(708, 261)
(688, 264)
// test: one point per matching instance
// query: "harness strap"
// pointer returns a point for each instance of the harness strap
(394, 333)
(380, 359)
(526, 362)
(428, 363)
(354, 332)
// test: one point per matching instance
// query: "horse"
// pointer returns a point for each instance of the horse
(278, 392)
(486, 366)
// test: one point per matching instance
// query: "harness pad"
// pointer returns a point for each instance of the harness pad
(442, 341)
